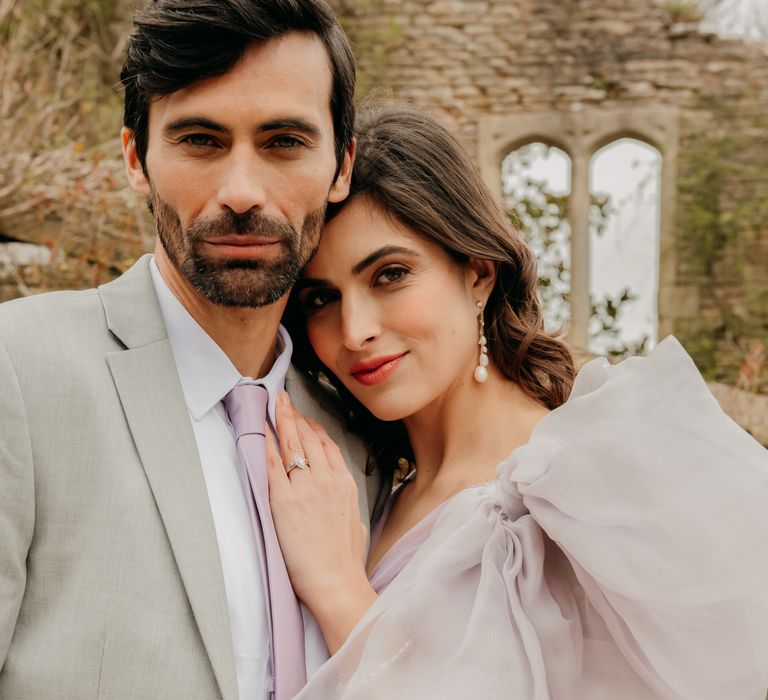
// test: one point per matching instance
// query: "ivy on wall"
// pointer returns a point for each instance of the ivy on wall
(373, 32)
(722, 243)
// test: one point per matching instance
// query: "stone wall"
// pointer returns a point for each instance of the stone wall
(579, 74)
(499, 73)
(466, 59)
(22, 266)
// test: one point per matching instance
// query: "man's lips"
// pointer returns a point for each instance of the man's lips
(242, 246)
(376, 370)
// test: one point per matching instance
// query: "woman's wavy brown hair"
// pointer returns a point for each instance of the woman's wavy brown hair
(413, 169)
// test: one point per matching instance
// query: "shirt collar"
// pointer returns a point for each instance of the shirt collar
(207, 375)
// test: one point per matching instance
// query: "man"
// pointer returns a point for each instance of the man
(132, 549)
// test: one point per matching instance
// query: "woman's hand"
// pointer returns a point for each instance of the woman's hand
(316, 515)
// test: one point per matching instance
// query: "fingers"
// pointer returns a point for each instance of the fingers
(290, 446)
(313, 448)
(332, 452)
(298, 439)
(327, 474)
(336, 463)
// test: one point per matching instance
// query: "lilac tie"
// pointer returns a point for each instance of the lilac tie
(246, 405)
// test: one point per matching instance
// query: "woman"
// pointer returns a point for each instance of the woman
(603, 539)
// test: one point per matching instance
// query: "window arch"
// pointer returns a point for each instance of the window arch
(625, 186)
(536, 182)
(580, 133)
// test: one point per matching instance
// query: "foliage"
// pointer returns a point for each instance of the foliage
(605, 324)
(704, 227)
(540, 213)
(61, 181)
(722, 243)
(372, 40)
(752, 368)
(683, 11)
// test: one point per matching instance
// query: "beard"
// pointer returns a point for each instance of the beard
(240, 283)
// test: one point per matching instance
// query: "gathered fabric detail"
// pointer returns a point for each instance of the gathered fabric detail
(621, 553)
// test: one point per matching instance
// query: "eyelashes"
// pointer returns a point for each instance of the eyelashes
(392, 274)
(315, 300)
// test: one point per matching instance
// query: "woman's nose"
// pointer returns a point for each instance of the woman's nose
(360, 324)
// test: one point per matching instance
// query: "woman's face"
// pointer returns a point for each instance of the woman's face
(390, 313)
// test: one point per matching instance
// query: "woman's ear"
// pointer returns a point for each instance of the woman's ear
(481, 276)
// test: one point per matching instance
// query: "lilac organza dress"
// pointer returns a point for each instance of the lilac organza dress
(622, 554)
(403, 550)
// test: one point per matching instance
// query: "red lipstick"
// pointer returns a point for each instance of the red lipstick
(376, 370)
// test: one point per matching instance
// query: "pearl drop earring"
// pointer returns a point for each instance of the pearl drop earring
(481, 371)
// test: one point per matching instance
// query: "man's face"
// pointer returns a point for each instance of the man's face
(240, 171)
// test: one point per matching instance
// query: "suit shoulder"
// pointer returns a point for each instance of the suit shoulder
(51, 304)
(53, 313)
(309, 395)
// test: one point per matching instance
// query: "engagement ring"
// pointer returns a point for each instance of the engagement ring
(298, 462)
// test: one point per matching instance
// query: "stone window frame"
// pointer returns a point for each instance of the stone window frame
(580, 133)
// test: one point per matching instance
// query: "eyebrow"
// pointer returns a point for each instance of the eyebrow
(297, 124)
(294, 123)
(366, 262)
(185, 123)
(381, 253)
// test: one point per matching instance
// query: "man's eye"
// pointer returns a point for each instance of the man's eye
(286, 142)
(199, 140)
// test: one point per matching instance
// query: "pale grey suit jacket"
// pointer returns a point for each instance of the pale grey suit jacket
(110, 578)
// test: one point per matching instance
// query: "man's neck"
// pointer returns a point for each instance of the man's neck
(246, 336)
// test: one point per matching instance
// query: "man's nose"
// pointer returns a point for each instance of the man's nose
(243, 179)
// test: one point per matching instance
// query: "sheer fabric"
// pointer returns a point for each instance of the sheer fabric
(400, 553)
(621, 553)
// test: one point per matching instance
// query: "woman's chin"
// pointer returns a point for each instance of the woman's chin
(388, 411)
(390, 416)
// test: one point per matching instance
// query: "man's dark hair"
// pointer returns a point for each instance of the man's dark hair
(176, 43)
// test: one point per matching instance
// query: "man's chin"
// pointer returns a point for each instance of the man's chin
(243, 283)
(241, 265)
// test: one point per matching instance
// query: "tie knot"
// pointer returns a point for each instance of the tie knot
(246, 407)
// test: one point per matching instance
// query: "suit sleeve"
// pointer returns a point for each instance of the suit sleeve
(17, 501)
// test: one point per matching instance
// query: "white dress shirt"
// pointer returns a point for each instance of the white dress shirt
(207, 376)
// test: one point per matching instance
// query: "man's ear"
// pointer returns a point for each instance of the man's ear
(340, 187)
(133, 169)
(481, 277)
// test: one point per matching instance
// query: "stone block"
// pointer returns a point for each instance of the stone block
(746, 408)
(21, 254)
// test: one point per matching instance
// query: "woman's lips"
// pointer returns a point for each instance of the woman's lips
(377, 370)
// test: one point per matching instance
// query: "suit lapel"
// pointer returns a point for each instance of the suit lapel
(152, 399)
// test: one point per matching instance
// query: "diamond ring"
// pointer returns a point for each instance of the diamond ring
(298, 462)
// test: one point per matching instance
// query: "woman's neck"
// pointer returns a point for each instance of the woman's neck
(459, 439)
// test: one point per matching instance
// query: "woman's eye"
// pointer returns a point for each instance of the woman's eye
(391, 274)
(314, 301)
